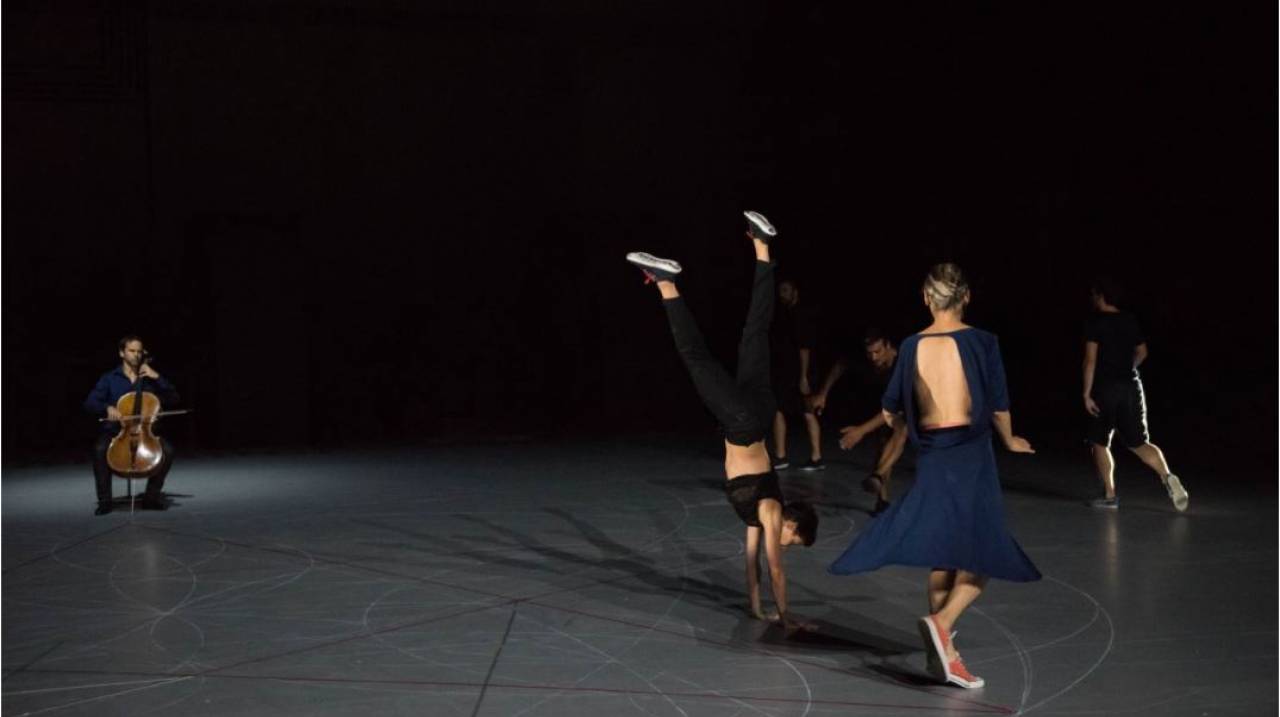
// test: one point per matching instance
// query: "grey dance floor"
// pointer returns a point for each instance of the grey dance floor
(606, 579)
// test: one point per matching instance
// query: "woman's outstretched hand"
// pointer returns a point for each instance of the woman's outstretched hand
(1018, 444)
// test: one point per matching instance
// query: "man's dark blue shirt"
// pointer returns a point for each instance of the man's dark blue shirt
(115, 384)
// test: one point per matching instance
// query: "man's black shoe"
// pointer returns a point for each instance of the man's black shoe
(150, 502)
(873, 483)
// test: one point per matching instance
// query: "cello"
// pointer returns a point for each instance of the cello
(136, 452)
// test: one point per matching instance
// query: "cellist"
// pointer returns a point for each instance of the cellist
(101, 402)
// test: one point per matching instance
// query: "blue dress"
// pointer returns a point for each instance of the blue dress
(952, 518)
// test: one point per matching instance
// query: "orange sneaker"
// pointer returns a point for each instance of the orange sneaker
(936, 642)
(931, 663)
(958, 674)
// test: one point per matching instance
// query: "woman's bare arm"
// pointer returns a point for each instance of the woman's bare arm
(1003, 422)
(753, 571)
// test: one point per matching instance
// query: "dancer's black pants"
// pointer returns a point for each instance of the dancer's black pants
(102, 472)
(744, 406)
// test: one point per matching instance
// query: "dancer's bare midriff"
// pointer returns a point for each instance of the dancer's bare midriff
(745, 460)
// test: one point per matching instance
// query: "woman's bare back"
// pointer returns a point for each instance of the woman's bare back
(942, 392)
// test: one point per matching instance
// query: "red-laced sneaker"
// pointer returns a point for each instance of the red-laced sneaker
(931, 663)
(936, 641)
(958, 674)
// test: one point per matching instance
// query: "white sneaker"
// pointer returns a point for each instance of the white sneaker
(760, 227)
(1177, 493)
(653, 267)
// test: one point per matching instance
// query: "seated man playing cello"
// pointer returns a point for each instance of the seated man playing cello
(102, 402)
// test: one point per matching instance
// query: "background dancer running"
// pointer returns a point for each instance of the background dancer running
(1114, 348)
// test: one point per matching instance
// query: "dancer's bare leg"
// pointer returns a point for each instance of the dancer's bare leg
(1106, 466)
(1150, 454)
(779, 436)
(762, 249)
(966, 589)
(940, 584)
(815, 437)
(1154, 458)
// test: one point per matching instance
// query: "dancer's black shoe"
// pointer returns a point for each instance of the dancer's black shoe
(873, 483)
(152, 502)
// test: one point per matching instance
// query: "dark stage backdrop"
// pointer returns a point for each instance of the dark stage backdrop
(342, 223)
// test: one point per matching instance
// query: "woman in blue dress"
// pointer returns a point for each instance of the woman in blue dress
(949, 389)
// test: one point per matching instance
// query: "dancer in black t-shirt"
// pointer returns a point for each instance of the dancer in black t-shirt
(1114, 348)
(794, 340)
(881, 358)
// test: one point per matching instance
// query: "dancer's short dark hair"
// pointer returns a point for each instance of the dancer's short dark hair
(128, 340)
(806, 521)
(1108, 288)
(874, 335)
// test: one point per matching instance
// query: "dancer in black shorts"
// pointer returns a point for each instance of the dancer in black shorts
(794, 338)
(744, 408)
(1114, 348)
